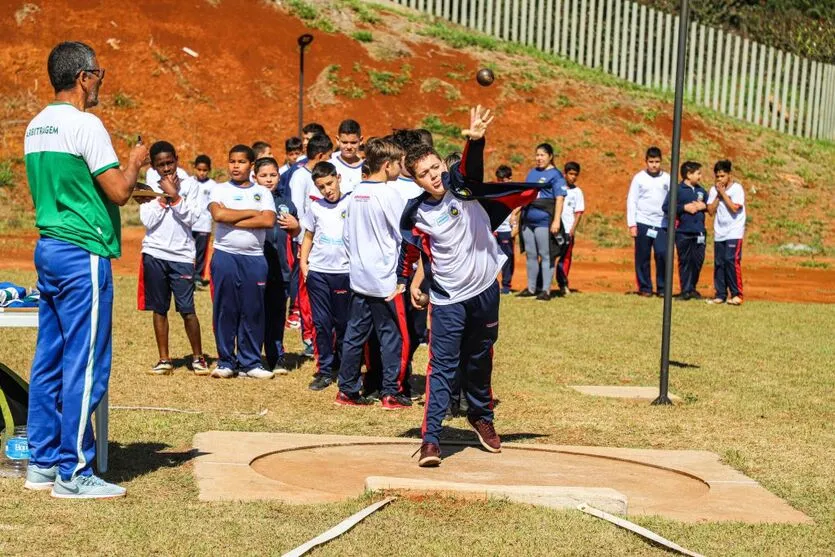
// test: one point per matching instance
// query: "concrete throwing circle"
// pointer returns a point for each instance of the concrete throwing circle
(341, 471)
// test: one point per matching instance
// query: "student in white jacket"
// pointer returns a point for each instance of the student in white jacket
(168, 256)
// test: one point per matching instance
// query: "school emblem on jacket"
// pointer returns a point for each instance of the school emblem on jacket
(454, 211)
(464, 192)
(343, 214)
(257, 197)
(283, 209)
(700, 196)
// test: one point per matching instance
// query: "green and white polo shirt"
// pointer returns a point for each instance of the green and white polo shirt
(66, 150)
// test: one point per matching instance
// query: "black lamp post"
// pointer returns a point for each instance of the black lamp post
(663, 398)
(303, 41)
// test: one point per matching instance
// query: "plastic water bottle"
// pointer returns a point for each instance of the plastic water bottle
(15, 453)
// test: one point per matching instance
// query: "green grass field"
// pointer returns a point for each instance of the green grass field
(758, 391)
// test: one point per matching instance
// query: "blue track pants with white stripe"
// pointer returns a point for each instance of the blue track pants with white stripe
(71, 368)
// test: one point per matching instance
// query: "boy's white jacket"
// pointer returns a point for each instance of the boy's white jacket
(645, 201)
(168, 228)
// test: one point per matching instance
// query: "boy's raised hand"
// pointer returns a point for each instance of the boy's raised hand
(480, 118)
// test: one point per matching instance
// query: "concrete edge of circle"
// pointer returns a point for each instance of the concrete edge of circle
(223, 472)
(556, 497)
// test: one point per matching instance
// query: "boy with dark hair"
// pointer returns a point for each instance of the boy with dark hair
(645, 219)
(726, 203)
(168, 254)
(262, 149)
(243, 212)
(347, 160)
(572, 214)
(324, 267)
(302, 191)
(292, 153)
(453, 235)
(506, 232)
(202, 229)
(689, 228)
(308, 131)
(372, 238)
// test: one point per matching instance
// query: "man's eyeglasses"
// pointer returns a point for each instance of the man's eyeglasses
(99, 73)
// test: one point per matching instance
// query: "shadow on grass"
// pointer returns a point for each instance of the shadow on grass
(684, 365)
(186, 360)
(130, 461)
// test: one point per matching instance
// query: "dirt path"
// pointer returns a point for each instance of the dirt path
(595, 269)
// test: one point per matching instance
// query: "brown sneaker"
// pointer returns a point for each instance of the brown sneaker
(486, 434)
(430, 455)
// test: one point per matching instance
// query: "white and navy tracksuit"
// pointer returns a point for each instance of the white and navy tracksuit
(461, 258)
(372, 238)
(202, 230)
(575, 204)
(645, 208)
(168, 250)
(690, 236)
(279, 253)
(239, 278)
(729, 230)
(328, 281)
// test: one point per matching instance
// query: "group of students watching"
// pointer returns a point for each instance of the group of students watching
(648, 221)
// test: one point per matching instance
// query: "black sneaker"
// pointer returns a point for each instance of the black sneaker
(320, 383)
(525, 293)
(396, 402)
(345, 399)
(374, 395)
(543, 296)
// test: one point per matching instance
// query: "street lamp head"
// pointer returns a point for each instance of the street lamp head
(305, 40)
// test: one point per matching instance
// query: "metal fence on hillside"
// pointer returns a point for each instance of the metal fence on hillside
(738, 77)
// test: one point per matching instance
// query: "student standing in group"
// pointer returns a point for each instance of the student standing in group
(277, 244)
(691, 236)
(243, 212)
(292, 153)
(347, 160)
(302, 192)
(372, 238)
(506, 233)
(324, 266)
(645, 209)
(540, 220)
(168, 256)
(202, 229)
(726, 202)
(572, 214)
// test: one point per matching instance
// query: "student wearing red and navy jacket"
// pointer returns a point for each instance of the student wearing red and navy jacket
(450, 227)
(690, 228)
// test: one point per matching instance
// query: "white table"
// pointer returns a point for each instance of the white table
(29, 318)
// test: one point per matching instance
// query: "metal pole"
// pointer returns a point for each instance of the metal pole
(663, 398)
(301, 88)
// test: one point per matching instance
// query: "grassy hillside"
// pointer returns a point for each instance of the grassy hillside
(388, 67)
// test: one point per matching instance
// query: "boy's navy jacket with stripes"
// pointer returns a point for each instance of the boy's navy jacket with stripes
(465, 181)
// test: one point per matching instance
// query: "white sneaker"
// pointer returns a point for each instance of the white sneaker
(162, 367)
(260, 373)
(223, 373)
(86, 487)
(200, 367)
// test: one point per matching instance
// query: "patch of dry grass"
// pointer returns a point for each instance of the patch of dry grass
(760, 395)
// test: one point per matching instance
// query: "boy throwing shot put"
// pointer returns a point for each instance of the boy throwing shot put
(168, 256)
(461, 260)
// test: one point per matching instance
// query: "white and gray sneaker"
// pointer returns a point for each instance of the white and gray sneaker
(199, 366)
(86, 487)
(280, 367)
(162, 367)
(223, 373)
(40, 479)
(260, 373)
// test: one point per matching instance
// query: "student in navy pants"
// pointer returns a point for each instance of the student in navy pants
(690, 233)
(464, 332)
(650, 240)
(329, 303)
(238, 283)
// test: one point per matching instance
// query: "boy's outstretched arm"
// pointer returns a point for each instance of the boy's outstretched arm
(472, 159)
